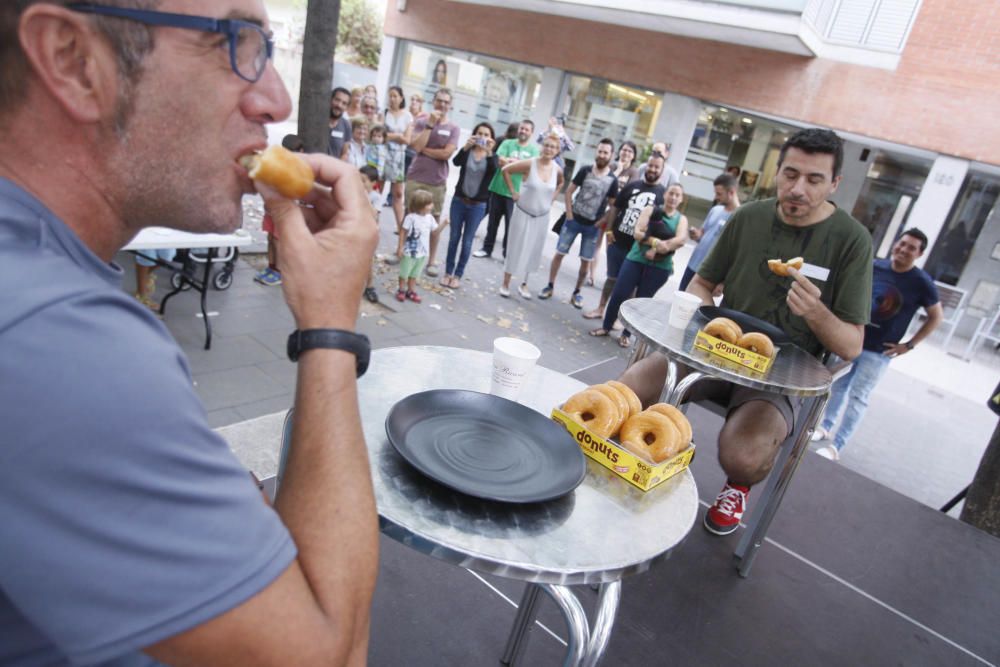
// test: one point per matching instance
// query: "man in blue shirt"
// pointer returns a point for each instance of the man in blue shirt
(898, 289)
(129, 533)
(729, 201)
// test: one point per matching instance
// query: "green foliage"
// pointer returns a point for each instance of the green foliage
(359, 34)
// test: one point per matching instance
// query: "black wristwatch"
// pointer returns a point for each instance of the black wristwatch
(335, 339)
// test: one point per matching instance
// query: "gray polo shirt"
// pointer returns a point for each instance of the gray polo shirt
(124, 519)
(340, 133)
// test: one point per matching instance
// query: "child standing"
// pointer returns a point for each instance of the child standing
(354, 150)
(377, 153)
(368, 178)
(414, 244)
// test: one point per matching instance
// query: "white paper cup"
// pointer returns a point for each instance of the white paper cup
(513, 359)
(683, 308)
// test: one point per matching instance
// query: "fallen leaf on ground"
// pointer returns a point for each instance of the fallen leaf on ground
(504, 323)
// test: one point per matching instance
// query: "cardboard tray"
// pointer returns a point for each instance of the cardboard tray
(745, 358)
(622, 462)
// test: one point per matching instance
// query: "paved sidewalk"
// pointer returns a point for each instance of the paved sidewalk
(924, 433)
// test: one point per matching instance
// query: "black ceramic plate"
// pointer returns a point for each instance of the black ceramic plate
(485, 446)
(748, 323)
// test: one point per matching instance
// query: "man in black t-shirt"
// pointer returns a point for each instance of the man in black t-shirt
(596, 187)
(629, 203)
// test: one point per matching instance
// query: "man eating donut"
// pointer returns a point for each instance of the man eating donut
(823, 307)
(129, 533)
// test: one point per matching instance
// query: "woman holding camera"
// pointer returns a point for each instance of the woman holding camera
(477, 164)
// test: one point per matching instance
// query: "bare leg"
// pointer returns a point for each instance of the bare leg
(506, 280)
(646, 378)
(554, 269)
(749, 441)
(142, 275)
(397, 204)
(609, 287)
(597, 253)
(272, 252)
(582, 275)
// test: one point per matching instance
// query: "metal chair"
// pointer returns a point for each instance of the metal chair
(986, 329)
(954, 302)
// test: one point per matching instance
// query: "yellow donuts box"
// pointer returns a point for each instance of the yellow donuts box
(622, 462)
(738, 355)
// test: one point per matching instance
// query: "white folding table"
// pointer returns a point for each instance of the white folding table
(186, 274)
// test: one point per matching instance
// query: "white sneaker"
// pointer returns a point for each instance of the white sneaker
(523, 291)
(821, 434)
(829, 452)
(504, 292)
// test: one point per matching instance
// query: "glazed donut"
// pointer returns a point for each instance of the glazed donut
(634, 405)
(654, 431)
(592, 409)
(725, 329)
(757, 342)
(679, 419)
(781, 268)
(282, 169)
(621, 405)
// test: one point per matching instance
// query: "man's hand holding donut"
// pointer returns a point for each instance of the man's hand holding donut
(804, 297)
(842, 338)
(326, 247)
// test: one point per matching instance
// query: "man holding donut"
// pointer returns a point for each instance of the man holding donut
(823, 307)
(129, 533)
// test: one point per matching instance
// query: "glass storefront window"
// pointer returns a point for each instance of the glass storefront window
(969, 214)
(726, 138)
(891, 187)
(595, 109)
(483, 88)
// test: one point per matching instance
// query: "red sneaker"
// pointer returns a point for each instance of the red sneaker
(724, 516)
(400, 295)
(413, 296)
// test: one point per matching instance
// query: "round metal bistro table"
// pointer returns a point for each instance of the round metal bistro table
(794, 372)
(602, 531)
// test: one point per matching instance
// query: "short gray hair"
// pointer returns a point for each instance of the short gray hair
(130, 40)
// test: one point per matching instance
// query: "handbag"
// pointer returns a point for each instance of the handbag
(557, 227)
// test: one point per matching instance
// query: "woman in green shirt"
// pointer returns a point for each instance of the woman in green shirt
(659, 232)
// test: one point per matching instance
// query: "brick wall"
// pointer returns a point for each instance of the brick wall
(944, 96)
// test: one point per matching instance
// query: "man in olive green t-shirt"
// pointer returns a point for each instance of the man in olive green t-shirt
(823, 307)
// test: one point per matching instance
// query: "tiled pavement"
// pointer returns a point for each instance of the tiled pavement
(924, 433)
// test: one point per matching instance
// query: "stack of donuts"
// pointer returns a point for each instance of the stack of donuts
(725, 329)
(612, 410)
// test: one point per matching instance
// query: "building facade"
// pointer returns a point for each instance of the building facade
(724, 83)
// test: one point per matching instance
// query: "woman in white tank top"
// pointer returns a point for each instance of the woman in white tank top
(530, 222)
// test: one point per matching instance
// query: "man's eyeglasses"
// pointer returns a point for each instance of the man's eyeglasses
(250, 47)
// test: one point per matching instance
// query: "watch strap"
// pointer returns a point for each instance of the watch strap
(331, 339)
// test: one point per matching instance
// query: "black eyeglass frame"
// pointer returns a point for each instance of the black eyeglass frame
(230, 28)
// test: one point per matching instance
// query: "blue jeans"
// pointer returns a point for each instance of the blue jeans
(465, 219)
(643, 278)
(853, 389)
(615, 256)
(588, 239)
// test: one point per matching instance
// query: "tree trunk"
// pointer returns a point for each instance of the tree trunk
(318, 45)
(982, 504)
